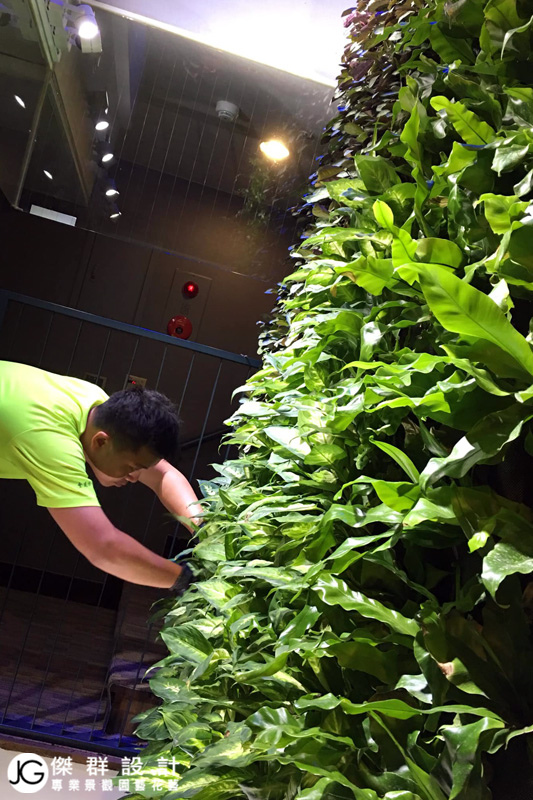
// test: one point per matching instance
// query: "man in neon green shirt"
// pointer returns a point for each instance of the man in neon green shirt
(52, 425)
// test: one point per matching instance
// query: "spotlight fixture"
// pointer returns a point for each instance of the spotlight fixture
(102, 125)
(48, 175)
(85, 21)
(274, 149)
(107, 154)
(111, 190)
(20, 101)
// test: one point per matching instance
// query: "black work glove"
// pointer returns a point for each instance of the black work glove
(184, 579)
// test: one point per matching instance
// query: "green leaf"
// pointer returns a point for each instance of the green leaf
(520, 102)
(500, 210)
(377, 173)
(504, 559)
(400, 457)
(334, 591)
(463, 309)
(484, 441)
(188, 642)
(508, 157)
(478, 540)
(373, 274)
(510, 33)
(464, 743)
(439, 251)
(289, 439)
(325, 454)
(467, 124)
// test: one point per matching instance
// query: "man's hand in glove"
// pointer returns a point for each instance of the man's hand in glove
(184, 579)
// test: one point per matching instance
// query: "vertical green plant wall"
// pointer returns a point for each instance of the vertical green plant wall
(360, 629)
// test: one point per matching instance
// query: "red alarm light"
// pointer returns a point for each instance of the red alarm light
(190, 289)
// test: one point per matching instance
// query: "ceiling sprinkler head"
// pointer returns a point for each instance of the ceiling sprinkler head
(226, 111)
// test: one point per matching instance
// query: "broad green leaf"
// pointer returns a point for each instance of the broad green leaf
(439, 251)
(400, 457)
(325, 454)
(333, 591)
(500, 210)
(463, 309)
(520, 102)
(186, 641)
(484, 441)
(508, 157)
(464, 742)
(403, 247)
(376, 172)
(373, 274)
(289, 439)
(468, 125)
(504, 559)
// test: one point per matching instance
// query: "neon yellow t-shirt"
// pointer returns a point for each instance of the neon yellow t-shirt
(42, 416)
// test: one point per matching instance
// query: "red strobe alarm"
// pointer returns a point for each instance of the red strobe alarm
(180, 327)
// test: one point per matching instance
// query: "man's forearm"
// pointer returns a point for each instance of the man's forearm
(128, 559)
(177, 495)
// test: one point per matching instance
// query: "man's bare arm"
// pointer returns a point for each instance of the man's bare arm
(112, 550)
(174, 490)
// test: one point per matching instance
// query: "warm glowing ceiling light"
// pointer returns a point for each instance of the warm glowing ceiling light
(102, 125)
(274, 149)
(85, 21)
(20, 101)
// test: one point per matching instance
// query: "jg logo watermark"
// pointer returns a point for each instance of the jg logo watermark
(27, 773)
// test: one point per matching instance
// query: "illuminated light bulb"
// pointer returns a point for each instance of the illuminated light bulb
(112, 192)
(48, 175)
(88, 29)
(102, 125)
(115, 214)
(107, 157)
(20, 101)
(85, 21)
(190, 289)
(274, 150)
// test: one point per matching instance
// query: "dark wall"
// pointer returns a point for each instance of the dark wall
(135, 283)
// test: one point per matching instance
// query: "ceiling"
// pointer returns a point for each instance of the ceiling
(160, 91)
(305, 37)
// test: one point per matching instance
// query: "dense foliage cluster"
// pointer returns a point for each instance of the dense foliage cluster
(360, 628)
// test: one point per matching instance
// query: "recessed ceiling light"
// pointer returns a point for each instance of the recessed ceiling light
(102, 125)
(112, 192)
(48, 175)
(107, 157)
(20, 101)
(274, 149)
(115, 214)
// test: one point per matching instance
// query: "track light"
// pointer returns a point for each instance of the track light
(111, 190)
(85, 21)
(106, 154)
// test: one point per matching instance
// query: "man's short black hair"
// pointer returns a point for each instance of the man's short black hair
(135, 417)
